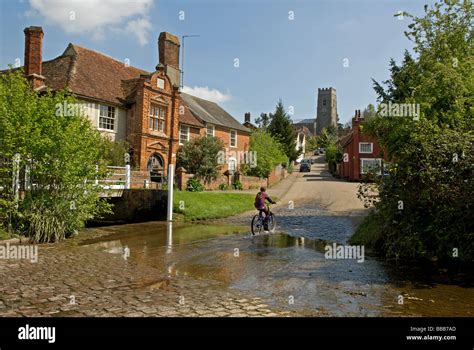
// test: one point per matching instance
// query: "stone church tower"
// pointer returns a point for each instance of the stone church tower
(326, 110)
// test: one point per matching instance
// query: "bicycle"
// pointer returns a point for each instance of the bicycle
(258, 222)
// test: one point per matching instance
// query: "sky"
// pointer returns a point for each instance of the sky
(249, 54)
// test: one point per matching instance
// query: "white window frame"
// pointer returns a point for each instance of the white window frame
(230, 138)
(160, 119)
(213, 129)
(370, 159)
(181, 127)
(366, 143)
(100, 106)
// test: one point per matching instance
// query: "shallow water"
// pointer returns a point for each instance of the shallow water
(288, 269)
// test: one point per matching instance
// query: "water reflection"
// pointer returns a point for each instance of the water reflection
(274, 266)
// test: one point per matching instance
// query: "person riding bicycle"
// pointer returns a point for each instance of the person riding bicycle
(259, 204)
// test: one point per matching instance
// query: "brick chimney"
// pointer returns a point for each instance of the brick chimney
(33, 55)
(168, 49)
(247, 117)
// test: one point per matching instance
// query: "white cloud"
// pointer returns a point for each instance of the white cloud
(95, 17)
(207, 94)
(140, 28)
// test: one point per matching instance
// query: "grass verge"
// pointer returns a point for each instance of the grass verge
(210, 205)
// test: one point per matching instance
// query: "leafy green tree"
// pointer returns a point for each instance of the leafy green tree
(202, 156)
(60, 153)
(311, 143)
(327, 138)
(425, 206)
(263, 121)
(269, 154)
(281, 128)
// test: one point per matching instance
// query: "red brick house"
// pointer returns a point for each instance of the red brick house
(360, 152)
(145, 109)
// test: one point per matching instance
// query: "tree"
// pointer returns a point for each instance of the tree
(281, 128)
(263, 121)
(202, 156)
(311, 143)
(269, 153)
(327, 138)
(425, 206)
(60, 151)
(369, 112)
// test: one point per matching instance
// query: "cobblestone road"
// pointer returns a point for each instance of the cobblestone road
(70, 280)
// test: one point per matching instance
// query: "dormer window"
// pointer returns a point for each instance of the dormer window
(157, 118)
(160, 83)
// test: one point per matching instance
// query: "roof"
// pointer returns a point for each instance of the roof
(89, 73)
(211, 112)
(189, 118)
(307, 121)
(345, 140)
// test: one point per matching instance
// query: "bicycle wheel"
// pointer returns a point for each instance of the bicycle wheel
(271, 223)
(256, 225)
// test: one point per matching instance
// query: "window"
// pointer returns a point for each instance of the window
(324, 102)
(157, 118)
(107, 117)
(365, 147)
(183, 134)
(233, 138)
(160, 83)
(370, 165)
(210, 130)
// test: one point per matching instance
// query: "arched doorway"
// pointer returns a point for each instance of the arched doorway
(155, 166)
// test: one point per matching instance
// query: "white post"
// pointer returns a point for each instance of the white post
(96, 174)
(27, 175)
(127, 176)
(169, 217)
(16, 179)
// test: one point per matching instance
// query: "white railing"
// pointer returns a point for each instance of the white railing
(118, 179)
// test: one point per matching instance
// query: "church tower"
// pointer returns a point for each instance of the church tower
(326, 114)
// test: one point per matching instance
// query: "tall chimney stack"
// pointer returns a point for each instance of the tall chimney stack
(247, 117)
(33, 55)
(168, 51)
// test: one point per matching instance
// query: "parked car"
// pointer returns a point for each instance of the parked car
(316, 152)
(321, 150)
(305, 167)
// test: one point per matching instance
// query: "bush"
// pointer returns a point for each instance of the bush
(223, 187)
(237, 185)
(194, 185)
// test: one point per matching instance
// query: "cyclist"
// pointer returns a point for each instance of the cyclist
(259, 204)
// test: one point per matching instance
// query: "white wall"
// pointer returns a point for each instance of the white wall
(91, 109)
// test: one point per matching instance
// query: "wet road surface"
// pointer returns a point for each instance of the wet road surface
(288, 270)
